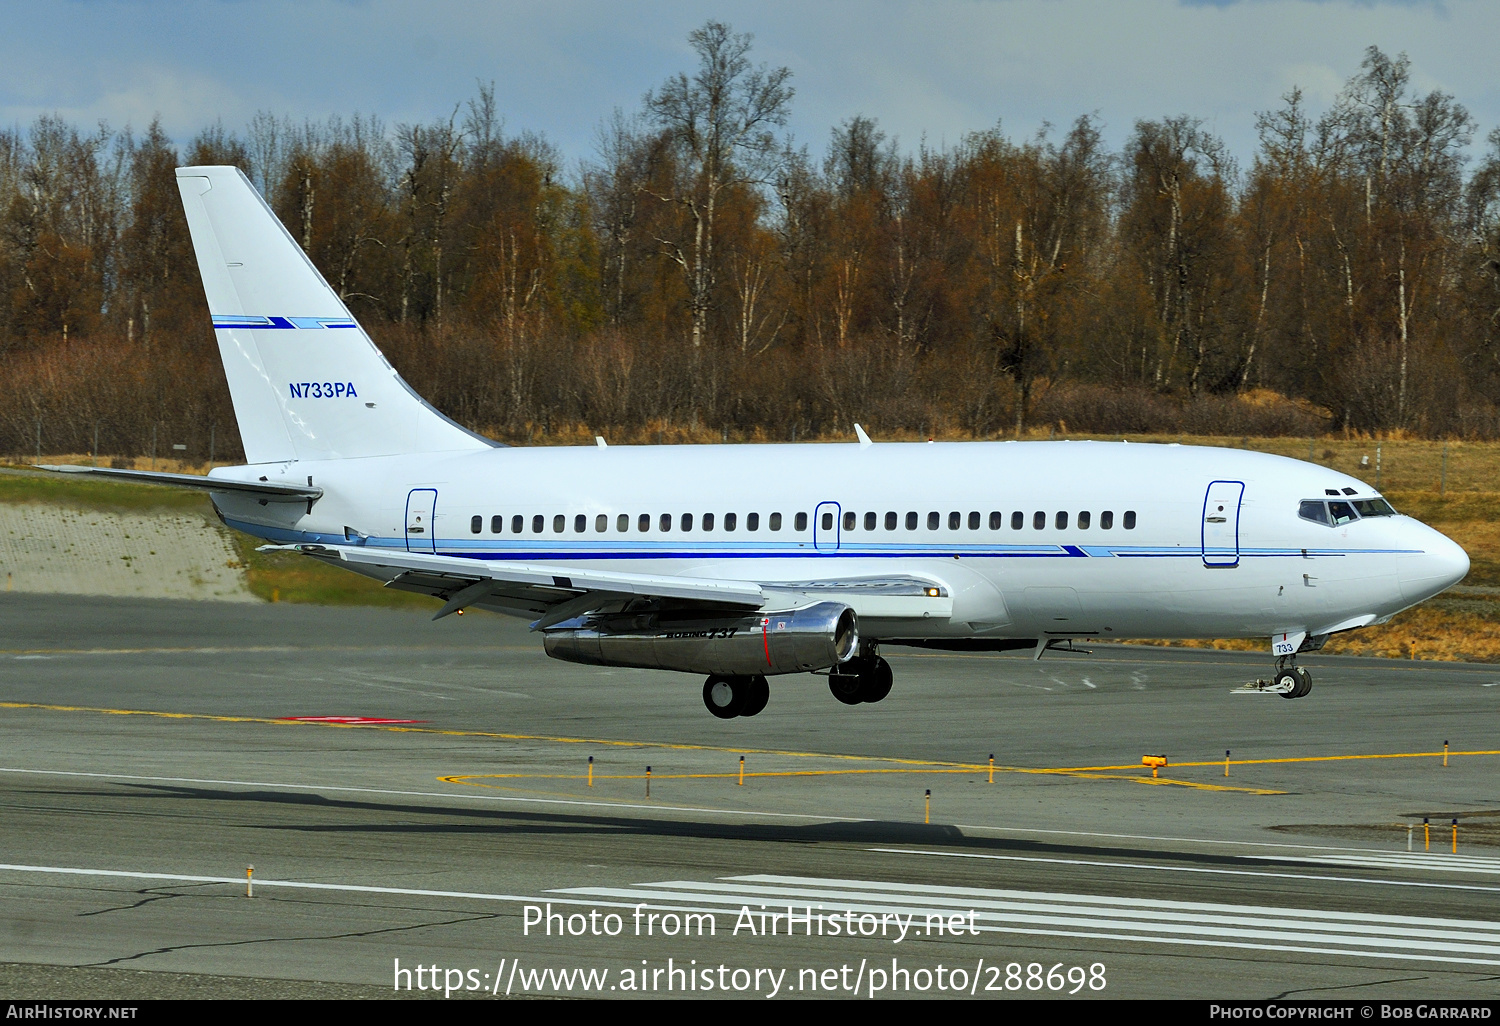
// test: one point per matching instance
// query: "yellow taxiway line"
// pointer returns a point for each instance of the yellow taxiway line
(1131, 772)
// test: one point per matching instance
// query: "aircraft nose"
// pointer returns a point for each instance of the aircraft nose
(1440, 565)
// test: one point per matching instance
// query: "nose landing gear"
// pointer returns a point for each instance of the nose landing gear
(1292, 681)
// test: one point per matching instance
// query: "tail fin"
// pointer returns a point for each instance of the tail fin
(306, 380)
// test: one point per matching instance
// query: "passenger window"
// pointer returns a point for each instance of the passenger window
(536, 523)
(622, 523)
(1130, 520)
(517, 522)
(850, 519)
(1038, 520)
(644, 523)
(827, 519)
(601, 523)
(1106, 520)
(476, 524)
(558, 523)
(800, 521)
(1062, 520)
(1017, 520)
(752, 521)
(973, 521)
(996, 520)
(497, 524)
(1341, 513)
(1310, 509)
(708, 521)
(911, 521)
(955, 520)
(666, 521)
(890, 521)
(687, 521)
(1083, 520)
(580, 523)
(870, 522)
(934, 519)
(729, 519)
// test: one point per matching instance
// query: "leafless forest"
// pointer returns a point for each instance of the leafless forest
(700, 275)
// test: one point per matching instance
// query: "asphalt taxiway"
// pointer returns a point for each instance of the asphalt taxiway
(153, 750)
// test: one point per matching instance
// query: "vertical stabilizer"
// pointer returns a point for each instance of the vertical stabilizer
(306, 380)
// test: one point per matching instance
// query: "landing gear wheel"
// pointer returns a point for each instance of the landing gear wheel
(847, 687)
(868, 680)
(877, 680)
(726, 697)
(1296, 680)
(759, 695)
(1304, 683)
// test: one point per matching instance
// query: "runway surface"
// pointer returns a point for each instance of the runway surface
(152, 750)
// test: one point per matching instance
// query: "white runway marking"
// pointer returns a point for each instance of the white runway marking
(1169, 867)
(1139, 920)
(1439, 861)
(995, 911)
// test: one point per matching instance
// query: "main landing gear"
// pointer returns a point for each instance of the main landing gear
(865, 678)
(728, 697)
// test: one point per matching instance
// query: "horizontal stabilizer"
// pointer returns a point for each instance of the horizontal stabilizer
(267, 490)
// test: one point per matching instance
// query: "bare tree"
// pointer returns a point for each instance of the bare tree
(720, 119)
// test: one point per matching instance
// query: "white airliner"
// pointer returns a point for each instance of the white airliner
(741, 562)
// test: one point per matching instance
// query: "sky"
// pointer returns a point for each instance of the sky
(926, 71)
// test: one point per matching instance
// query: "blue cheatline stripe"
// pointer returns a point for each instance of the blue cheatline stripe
(283, 323)
(641, 550)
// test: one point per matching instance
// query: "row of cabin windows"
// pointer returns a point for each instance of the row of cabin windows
(872, 521)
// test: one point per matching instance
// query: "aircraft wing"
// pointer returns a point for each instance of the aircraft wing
(557, 593)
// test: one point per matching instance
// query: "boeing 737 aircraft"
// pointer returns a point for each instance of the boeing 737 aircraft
(741, 562)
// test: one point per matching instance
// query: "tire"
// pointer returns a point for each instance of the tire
(1304, 683)
(759, 695)
(725, 697)
(1290, 680)
(877, 680)
(848, 688)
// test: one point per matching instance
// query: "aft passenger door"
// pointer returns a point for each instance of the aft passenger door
(421, 534)
(1221, 524)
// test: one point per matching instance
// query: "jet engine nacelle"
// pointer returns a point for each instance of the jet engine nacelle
(813, 637)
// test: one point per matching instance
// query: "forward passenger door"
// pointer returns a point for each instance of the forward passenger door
(1221, 524)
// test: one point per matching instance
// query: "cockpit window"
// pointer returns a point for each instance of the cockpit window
(1341, 513)
(1374, 508)
(1313, 510)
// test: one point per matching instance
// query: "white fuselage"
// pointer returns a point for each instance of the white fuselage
(1170, 564)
